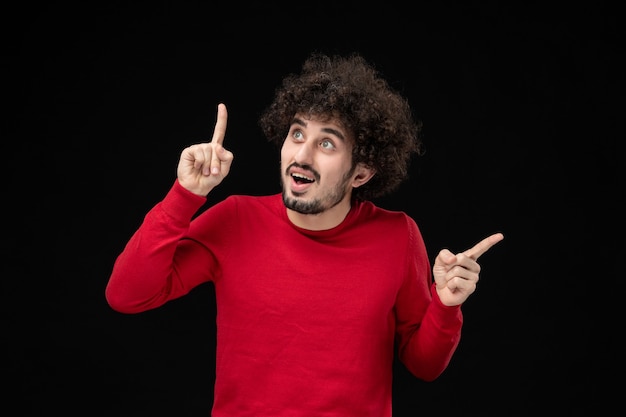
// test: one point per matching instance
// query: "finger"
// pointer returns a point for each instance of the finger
(483, 246)
(220, 125)
(446, 257)
(216, 162)
(460, 283)
(207, 159)
(469, 271)
(196, 156)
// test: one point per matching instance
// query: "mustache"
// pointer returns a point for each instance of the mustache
(307, 168)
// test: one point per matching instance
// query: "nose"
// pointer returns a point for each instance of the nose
(304, 155)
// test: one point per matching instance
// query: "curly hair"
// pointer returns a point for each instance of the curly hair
(352, 92)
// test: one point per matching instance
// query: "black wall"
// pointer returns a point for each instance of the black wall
(522, 107)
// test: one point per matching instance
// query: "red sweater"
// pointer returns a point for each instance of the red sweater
(306, 320)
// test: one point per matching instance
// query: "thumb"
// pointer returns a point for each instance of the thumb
(445, 258)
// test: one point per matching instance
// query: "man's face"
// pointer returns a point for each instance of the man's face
(316, 165)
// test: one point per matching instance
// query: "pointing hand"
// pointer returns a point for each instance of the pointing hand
(203, 166)
(456, 276)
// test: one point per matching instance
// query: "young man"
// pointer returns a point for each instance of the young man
(314, 286)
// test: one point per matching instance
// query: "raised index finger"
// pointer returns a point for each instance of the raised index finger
(484, 245)
(220, 125)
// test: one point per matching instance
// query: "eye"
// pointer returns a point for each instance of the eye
(297, 135)
(327, 144)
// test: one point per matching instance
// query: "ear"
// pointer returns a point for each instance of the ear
(362, 174)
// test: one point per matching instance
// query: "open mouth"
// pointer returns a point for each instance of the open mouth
(301, 179)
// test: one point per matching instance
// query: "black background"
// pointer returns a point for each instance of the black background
(522, 104)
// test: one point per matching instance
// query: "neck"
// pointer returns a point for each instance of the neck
(323, 221)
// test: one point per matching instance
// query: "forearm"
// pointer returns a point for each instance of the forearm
(428, 352)
(144, 275)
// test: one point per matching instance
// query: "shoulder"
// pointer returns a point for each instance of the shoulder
(387, 222)
(239, 211)
(250, 201)
(240, 206)
(369, 210)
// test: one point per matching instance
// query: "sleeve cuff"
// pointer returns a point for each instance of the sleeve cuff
(441, 309)
(181, 204)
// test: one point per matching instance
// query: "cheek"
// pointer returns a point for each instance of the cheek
(288, 151)
(286, 157)
(335, 173)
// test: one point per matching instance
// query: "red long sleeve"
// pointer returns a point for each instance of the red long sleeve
(306, 319)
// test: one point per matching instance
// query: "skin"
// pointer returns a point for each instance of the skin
(322, 152)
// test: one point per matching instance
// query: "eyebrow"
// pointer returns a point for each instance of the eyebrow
(298, 121)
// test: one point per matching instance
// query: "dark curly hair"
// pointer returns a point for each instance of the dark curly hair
(351, 91)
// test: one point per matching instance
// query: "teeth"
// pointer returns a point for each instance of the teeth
(302, 177)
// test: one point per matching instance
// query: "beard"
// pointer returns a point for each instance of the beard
(320, 204)
(315, 206)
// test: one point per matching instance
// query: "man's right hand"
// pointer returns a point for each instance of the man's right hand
(203, 166)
